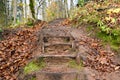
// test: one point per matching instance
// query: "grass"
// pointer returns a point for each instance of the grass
(33, 78)
(114, 42)
(73, 64)
(34, 66)
(1, 33)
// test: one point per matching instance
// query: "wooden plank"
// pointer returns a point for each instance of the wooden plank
(57, 36)
(58, 43)
(47, 55)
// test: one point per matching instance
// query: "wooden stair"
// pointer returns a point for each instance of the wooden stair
(57, 71)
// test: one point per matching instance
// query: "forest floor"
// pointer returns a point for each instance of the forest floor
(89, 61)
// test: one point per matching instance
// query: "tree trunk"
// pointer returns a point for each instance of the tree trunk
(32, 8)
(43, 9)
(14, 11)
(71, 4)
(25, 9)
(66, 9)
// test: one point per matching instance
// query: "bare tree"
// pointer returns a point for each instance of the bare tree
(39, 6)
(66, 8)
(25, 9)
(14, 11)
(71, 4)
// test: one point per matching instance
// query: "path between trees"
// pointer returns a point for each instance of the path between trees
(68, 54)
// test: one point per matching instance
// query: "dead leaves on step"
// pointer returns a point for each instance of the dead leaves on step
(16, 49)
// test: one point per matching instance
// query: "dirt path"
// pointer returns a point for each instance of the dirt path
(70, 54)
(65, 53)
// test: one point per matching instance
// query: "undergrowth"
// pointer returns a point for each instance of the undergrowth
(73, 64)
(34, 66)
(104, 17)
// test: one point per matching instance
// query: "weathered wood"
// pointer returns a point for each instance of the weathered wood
(67, 72)
(47, 55)
(56, 36)
(52, 44)
(78, 57)
(56, 32)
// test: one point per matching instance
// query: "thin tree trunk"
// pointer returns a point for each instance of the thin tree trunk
(14, 11)
(25, 9)
(66, 8)
(43, 9)
(71, 4)
(38, 8)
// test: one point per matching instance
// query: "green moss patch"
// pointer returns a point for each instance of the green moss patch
(73, 64)
(34, 66)
(114, 41)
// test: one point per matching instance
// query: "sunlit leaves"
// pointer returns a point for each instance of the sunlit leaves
(114, 10)
(51, 11)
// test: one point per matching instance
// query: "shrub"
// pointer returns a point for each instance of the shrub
(104, 16)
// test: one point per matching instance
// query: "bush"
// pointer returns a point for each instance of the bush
(103, 16)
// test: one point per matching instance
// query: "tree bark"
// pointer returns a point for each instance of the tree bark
(14, 11)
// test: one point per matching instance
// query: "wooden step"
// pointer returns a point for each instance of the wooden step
(58, 43)
(47, 55)
(63, 75)
(77, 57)
(43, 75)
(57, 36)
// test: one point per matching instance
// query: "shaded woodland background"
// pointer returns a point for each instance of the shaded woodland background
(19, 11)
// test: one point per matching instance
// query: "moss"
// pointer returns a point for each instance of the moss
(34, 66)
(114, 41)
(33, 78)
(73, 64)
(32, 8)
(1, 33)
(30, 22)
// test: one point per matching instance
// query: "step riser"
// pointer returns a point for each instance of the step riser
(57, 61)
(55, 76)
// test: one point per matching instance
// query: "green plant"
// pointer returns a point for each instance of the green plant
(30, 22)
(81, 2)
(104, 19)
(73, 64)
(33, 78)
(34, 66)
(114, 41)
(1, 33)
(1, 30)
(103, 27)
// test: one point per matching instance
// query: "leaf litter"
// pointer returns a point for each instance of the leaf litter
(18, 46)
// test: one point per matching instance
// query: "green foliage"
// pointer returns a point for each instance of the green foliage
(34, 66)
(30, 22)
(1, 33)
(52, 11)
(33, 78)
(103, 27)
(73, 64)
(3, 19)
(1, 30)
(103, 18)
(86, 14)
(82, 2)
(31, 67)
